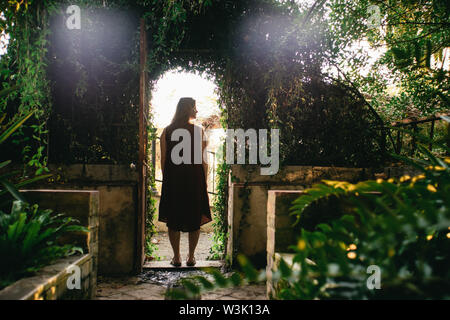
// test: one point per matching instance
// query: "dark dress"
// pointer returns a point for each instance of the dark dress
(184, 204)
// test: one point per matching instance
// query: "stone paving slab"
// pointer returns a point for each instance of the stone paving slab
(198, 265)
(137, 288)
(128, 288)
(250, 292)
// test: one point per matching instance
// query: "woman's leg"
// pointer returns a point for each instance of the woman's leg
(193, 240)
(174, 237)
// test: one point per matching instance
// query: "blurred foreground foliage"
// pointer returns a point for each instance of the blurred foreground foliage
(401, 226)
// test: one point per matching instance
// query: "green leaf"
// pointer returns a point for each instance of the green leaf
(249, 271)
(324, 227)
(32, 180)
(14, 127)
(190, 286)
(7, 91)
(13, 190)
(31, 237)
(284, 269)
(236, 279)
(5, 163)
(205, 282)
(219, 278)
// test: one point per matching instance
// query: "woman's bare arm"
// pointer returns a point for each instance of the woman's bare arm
(162, 144)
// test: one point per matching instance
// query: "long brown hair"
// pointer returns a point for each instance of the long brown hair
(183, 111)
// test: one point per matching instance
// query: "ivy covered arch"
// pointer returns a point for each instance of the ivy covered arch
(267, 58)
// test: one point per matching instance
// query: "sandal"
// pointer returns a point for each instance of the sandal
(175, 264)
(190, 264)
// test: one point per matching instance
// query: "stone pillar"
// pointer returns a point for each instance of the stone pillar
(280, 230)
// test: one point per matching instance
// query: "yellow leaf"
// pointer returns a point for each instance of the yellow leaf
(405, 178)
(391, 252)
(301, 244)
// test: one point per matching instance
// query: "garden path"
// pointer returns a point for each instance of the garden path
(153, 283)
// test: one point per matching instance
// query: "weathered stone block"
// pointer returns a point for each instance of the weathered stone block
(117, 230)
(81, 205)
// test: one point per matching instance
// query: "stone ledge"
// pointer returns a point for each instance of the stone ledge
(302, 175)
(49, 283)
(95, 173)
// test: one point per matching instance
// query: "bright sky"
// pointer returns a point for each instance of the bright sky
(172, 86)
(4, 38)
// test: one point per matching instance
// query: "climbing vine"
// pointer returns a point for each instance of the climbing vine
(220, 210)
(150, 229)
(23, 75)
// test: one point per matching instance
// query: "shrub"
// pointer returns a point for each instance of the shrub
(10, 191)
(402, 227)
(28, 240)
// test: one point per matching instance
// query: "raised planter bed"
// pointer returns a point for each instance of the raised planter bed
(50, 283)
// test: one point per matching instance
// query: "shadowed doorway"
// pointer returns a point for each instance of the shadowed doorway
(173, 85)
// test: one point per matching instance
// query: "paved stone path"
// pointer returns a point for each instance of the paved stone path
(165, 252)
(152, 284)
(139, 288)
(130, 288)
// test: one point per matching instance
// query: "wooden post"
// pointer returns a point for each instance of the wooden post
(142, 168)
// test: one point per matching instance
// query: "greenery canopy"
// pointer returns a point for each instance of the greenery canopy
(275, 64)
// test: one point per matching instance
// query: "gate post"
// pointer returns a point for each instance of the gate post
(141, 166)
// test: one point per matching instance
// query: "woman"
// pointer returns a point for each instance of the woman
(184, 202)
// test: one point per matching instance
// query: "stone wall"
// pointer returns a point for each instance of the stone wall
(247, 215)
(117, 231)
